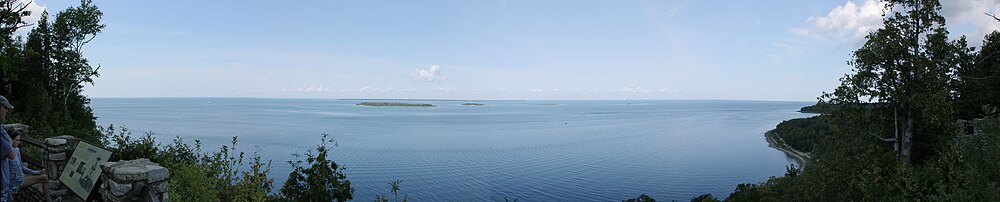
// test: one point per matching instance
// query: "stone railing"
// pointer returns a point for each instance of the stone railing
(136, 180)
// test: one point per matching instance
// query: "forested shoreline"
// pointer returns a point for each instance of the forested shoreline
(891, 131)
(916, 120)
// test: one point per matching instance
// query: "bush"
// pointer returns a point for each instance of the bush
(322, 180)
(197, 176)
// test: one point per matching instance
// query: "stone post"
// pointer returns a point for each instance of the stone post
(55, 158)
(135, 180)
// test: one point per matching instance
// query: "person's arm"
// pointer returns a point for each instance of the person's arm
(5, 145)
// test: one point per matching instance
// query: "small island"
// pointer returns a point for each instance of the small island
(394, 104)
(472, 104)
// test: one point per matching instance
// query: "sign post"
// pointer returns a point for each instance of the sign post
(83, 169)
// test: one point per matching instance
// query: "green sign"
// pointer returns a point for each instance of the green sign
(83, 169)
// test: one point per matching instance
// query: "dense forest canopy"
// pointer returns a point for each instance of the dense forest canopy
(894, 130)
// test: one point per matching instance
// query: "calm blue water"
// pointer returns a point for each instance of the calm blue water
(531, 150)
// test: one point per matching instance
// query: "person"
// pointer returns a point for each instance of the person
(18, 170)
(6, 154)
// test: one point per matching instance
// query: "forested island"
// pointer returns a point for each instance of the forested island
(394, 104)
(472, 104)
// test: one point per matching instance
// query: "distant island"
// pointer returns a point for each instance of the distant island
(394, 104)
(472, 104)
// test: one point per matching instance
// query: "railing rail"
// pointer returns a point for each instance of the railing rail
(27, 158)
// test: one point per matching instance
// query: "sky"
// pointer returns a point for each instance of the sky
(491, 49)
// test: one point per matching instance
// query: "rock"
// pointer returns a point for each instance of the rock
(17, 126)
(134, 170)
(159, 187)
(66, 137)
(156, 173)
(53, 149)
(119, 189)
(59, 192)
(55, 184)
(55, 141)
(57, 156)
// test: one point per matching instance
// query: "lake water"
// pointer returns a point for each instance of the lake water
(530, 150)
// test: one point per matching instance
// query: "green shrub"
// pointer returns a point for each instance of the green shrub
(322, 180)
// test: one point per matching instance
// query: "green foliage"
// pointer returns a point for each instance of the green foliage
(802, 133)
(394, 188)
(322, 180)
(705, 198)
(197, 176)
(978, 79)
(126, 147)
(906, 67)
(641, 198)
(45, 75)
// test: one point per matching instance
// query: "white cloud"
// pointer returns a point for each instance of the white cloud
(431, 74)
(850, 21)
(445, 89)
(971, 13)
(310, 89)
(36, 14)
(853, 21)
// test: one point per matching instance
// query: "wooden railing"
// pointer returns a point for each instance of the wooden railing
(24, 152)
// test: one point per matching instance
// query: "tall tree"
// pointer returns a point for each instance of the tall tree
(45, 74)
(903, 71)
(977, 84)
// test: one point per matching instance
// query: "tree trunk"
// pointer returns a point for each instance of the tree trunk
(907, 139)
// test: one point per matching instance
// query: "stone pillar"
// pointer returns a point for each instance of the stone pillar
(55, 158)
(135, 180)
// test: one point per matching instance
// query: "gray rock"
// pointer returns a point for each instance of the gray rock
(156, 173)
(119, 189)
(57, 156)
(59, 192)
(53, 149)
(67, 137)
(55, 184)
(17, 126)
(159, 187)
(55, 141)
(128, 173)
(135, 170)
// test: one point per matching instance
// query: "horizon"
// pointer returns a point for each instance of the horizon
(559, 50)
(443, 100)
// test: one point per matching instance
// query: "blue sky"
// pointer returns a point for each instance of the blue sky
(507, 49)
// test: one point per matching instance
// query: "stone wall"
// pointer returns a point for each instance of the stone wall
(135, 180)
(59, 150)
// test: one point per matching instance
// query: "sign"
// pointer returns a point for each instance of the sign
(83, 169)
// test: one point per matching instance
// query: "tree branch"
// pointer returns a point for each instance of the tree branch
(882, 138)
(993, 15)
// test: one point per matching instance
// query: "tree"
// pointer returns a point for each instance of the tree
(322, 180)
(45, 74)
(977, 83)
(904, 69)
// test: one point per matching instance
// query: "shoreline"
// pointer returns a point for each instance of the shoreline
(773, 142)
